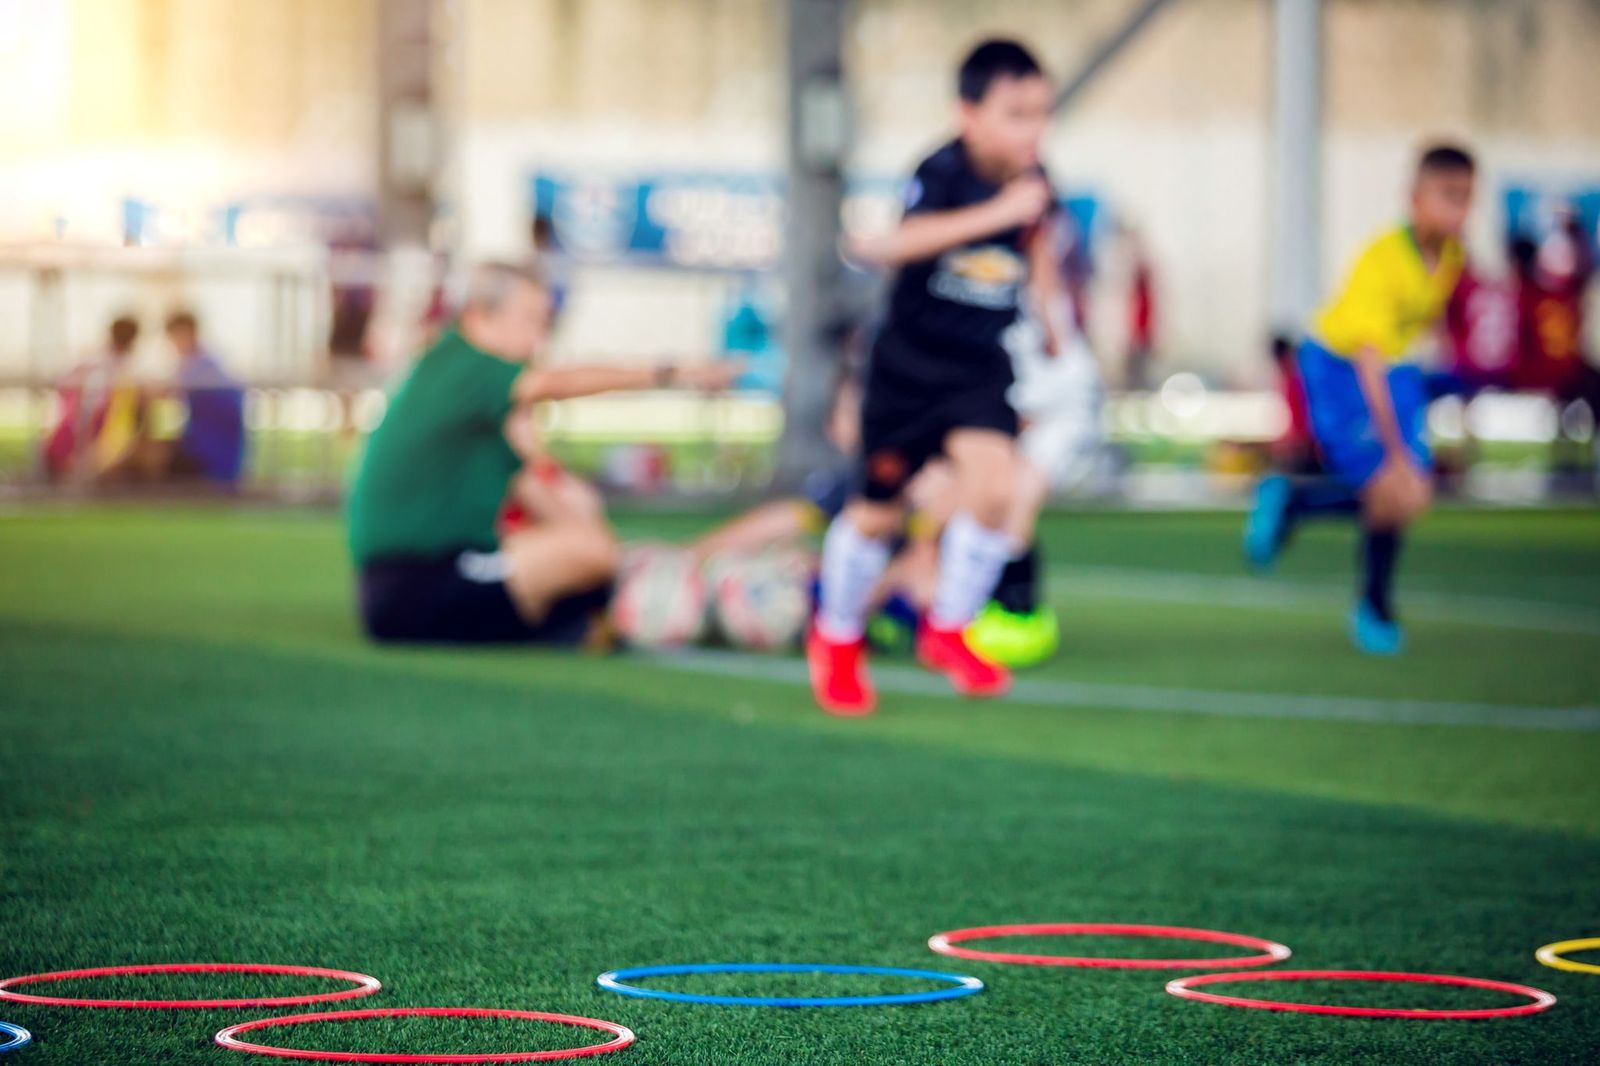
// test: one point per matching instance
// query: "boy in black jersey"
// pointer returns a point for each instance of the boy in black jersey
(972, 240)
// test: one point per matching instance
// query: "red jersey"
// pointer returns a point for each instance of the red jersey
(1481, 329)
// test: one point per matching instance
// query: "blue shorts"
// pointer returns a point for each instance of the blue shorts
(1351, 448)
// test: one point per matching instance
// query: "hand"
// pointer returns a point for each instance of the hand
(708, 377)
(1398, 491)
(865, 252)
(1050, 337)
(550, 494)
(522, 432)
(1021, 201)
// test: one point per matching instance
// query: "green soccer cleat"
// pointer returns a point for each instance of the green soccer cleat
(886, 633)
(1015, 640)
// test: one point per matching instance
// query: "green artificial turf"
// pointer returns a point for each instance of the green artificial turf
(200, 760)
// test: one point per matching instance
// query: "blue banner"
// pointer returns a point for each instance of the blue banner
(256, 222)
(707, 220)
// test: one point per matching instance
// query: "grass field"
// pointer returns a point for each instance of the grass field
(202, 760)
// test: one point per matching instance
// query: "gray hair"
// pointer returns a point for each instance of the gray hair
(491, 282)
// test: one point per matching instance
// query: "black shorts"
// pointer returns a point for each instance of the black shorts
(905, 417)
(461, 598)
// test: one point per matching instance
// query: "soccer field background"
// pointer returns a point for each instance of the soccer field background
(203, 760)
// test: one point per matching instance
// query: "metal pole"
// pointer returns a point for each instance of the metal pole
(1295, 224)
(1107, 51)
(818, 141)
(407, 134)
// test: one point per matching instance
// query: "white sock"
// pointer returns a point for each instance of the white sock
(851, 566)
(971, 556)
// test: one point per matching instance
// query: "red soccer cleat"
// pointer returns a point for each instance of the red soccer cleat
(946, 651)
(839, 678)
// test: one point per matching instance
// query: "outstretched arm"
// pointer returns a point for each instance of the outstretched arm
(774, 522)
(925, 234)
(542, 384)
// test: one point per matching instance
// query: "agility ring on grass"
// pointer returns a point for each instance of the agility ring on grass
(365, 986)
(622, 1036)
(945, 944)
(1551, 955)
(1185, 988)
(13, 1037)
(616, 981)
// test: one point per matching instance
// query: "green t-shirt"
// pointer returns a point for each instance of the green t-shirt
(437, 467)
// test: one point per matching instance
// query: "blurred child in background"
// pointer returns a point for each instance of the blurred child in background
(1367, 397)
(102, 411)
(213, 441)
(1295, 450)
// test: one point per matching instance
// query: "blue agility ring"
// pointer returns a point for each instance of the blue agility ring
(15, 1036)
(616, 981)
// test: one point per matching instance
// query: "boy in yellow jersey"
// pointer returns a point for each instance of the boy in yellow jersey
(1367, 398)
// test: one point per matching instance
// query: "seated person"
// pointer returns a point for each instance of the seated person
(212, 444)
(459, 436)
(102, 411)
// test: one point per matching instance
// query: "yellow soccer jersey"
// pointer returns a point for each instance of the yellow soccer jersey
(1390, 298)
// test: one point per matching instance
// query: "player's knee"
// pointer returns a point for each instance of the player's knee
(1380, 508)
(1030, 488)
(582, 499)
(602, 553)
(989, 500)
(1419, 500)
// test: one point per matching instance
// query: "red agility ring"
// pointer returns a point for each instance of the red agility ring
(1184, 987)
(944, 944)
(365, 986)
(228, 1038)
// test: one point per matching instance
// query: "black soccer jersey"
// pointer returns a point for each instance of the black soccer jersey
(954, 307)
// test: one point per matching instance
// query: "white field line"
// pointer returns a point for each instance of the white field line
(1272, 594)
(1104, 695)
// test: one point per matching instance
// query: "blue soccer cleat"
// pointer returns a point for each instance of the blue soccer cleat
(1268, 521)
(1373, 633)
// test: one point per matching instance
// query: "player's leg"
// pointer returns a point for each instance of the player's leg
(1018, 584)
(855, 552)
(780, 521)
(1018, 627)
(1392, 498)
(823, 495)
(569, 550)
(1374, 624)
(546, 564)
(906, 589)
(972, 551)
(1282, 504)
(896, 440)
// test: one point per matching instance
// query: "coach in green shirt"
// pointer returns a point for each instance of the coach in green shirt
(457, 439)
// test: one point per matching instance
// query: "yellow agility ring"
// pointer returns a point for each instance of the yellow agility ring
(1551, 954)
